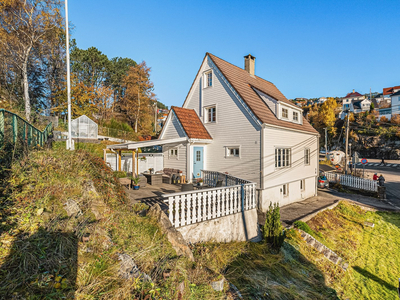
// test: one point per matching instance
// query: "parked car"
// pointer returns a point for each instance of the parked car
(323, 182)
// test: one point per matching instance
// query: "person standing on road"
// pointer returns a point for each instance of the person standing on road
(375, 177)
(383, 161)
(381, 180)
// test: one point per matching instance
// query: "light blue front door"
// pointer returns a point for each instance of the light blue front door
(197, 161)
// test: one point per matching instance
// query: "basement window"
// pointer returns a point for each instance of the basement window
(302, 185)
(285, 190)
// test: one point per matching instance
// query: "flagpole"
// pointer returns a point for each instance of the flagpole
(69, 142)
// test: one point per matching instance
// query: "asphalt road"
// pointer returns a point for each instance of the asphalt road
(392, 180)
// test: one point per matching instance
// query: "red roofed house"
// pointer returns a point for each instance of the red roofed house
(234, 121)
(355, 102)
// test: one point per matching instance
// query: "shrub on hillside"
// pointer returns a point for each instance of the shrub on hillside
(273, 231)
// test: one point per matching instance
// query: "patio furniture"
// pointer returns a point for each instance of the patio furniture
(126, 182)
(153, 179)
(219, 183)
(187, 187)
(200, 187)
(167, 175)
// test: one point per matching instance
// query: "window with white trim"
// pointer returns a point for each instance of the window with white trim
(173, 153)
(306, 156)
(285, 189)
(285, 113)
(282, 157)
(295, 116)
(233, 151)
(211, 114)
(302, 185)
(208, 79)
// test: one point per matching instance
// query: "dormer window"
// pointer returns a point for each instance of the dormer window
(208, 80)
(285, 113)
(295, 116)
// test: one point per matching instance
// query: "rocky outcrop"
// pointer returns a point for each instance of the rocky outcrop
(377, 147)
(174, 236)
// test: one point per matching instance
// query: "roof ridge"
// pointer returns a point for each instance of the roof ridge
(208, 53)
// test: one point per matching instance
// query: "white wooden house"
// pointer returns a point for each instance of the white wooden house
(234, 121)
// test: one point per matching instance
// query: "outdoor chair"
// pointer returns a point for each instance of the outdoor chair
(219, 183)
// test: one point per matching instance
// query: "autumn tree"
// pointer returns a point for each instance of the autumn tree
(25, 27)
(138, 101)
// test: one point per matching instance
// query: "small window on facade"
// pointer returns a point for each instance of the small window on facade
(306, 156)
(211, 114)
(208, 79)
(295, 116)
(285, 189)
(233, 152)
(173, 153)
(284, 113)
(282, 157)
(302, 185)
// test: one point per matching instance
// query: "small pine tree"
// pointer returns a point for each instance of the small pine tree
(273, 231)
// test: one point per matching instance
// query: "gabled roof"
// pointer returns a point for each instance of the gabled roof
(352, 95)
(390, 90)
(396, 94)
(191, 123)
(243, 83)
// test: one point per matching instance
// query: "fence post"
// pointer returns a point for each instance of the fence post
(30, 135)
(14, 128)
(1, 125)
(242, 194)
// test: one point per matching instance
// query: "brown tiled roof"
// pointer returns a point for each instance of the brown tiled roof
(243, 83)
(191, 123)
(353, 94)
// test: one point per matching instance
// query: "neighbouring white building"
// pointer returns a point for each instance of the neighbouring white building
(234, 121)
(84, 127)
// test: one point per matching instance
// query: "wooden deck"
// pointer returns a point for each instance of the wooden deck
(151, 194)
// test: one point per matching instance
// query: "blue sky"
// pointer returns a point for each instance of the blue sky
(306, 48)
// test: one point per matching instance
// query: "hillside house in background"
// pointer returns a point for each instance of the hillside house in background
(234, 121)
(355, 103)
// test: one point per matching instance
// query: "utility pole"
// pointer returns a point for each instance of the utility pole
(326, 143)
(346, 158)
(69, 142)
(155, 116)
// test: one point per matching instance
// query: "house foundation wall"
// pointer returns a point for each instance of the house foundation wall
(235, 227)
(295, 193)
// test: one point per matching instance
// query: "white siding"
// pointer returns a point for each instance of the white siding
(175, 162)
(274, 178)
(234, 127)
(173, 129)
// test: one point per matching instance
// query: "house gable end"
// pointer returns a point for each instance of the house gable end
(172, 128)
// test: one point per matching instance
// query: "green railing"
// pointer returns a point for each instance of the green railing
(15, 130)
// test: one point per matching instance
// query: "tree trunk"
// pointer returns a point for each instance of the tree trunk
(25, 84)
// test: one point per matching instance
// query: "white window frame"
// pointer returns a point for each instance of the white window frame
(302, 185)
(207, 76)
(287, 113)
(296, 113)
(283, 157)
(206, 118)
(285, 190)
(307, 156)
(173, 153)
(228, 150)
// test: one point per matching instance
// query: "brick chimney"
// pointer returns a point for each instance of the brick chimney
(250, 64)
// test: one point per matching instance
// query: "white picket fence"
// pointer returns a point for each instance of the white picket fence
(196, 206)
(354, 182)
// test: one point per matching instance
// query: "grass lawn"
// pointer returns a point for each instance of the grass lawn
(373, 253)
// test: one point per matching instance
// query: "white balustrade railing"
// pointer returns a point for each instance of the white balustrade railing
(196, 206)
(354, 182)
